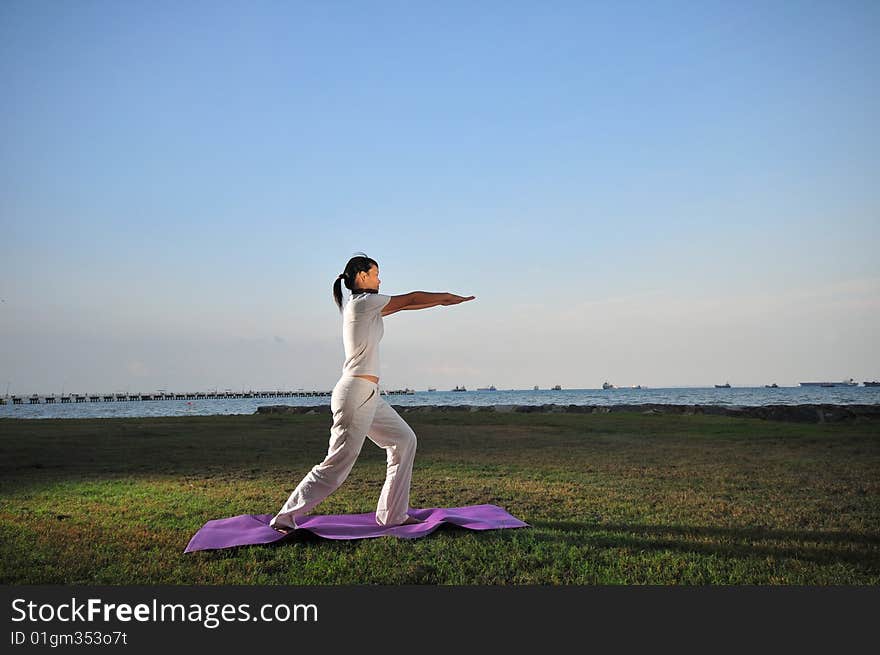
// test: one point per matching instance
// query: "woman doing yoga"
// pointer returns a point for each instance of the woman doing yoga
(358, 409)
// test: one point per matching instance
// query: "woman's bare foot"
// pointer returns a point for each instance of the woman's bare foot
(283, 529)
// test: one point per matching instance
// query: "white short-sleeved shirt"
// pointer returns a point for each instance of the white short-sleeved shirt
(362, 329)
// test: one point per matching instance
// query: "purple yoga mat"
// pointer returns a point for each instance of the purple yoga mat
(253, 529)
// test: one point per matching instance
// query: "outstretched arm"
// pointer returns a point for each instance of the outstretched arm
(422, 300)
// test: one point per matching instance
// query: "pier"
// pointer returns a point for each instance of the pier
(38, 399)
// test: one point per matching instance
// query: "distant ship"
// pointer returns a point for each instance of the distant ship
(535, 388)
(771, 386)
(723, 386)
(432, 388)
(557, 388)
(844, 383)
(491, 387)
(458, 388)
(872, 384)
(605, 385)
(400, 392)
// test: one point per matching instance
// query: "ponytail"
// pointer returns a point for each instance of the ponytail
(337, 291)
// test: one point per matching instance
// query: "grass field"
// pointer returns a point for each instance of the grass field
(611, 498)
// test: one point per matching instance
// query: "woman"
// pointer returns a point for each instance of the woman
(358, 409)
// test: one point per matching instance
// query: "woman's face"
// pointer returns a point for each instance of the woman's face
(369, 280)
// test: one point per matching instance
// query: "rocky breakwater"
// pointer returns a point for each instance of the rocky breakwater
(797, 413)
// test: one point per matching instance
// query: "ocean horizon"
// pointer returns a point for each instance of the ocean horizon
(733, 396)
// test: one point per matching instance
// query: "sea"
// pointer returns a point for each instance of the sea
(734, 396)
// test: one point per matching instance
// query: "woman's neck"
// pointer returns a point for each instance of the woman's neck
(354, 291)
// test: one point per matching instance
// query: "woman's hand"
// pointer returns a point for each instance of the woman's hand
(452, 299)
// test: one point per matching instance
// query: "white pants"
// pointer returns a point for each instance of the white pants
(358, 411)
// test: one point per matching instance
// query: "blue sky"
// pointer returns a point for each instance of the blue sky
(649, 193)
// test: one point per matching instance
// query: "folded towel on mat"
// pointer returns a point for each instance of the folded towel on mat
(253, 529)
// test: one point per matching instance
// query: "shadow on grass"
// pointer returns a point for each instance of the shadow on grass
(823, 547)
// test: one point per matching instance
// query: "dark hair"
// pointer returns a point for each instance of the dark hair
(360, 262)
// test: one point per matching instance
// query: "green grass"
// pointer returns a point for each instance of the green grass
(611, 498)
